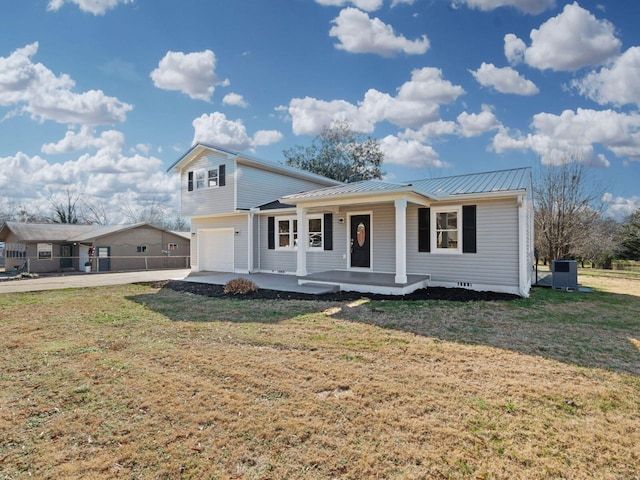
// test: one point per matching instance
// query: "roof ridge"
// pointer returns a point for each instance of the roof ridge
(472, 174)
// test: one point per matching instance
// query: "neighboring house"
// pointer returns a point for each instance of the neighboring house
(247, 215)
(43, 248)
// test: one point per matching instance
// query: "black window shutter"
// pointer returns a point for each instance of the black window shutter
(190, 182)
(424, 229)
(221, 174)
(469, 229)
(328, 231)
(271, 232)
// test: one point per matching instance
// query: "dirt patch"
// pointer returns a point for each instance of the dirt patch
(431, 293)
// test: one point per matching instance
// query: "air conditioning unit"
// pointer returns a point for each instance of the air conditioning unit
(565, 274)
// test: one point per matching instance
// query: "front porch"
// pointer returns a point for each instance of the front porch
(366, 282)
(321, 282)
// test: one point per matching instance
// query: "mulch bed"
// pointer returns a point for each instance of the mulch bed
(431, 293)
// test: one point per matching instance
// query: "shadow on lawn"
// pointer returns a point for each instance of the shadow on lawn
(594, 330)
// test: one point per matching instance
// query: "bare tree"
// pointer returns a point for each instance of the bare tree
(64, 210)
(566, 203)
(153, 210)
(19, 212)
(95, 213)
(599, 242)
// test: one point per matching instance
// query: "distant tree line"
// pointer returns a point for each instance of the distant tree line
(76, 208)
(569, 220)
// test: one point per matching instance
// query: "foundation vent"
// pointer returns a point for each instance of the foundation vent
(465, 284)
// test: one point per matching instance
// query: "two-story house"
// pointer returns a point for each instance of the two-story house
(249, 215)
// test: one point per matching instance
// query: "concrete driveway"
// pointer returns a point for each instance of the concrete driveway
(79, 280)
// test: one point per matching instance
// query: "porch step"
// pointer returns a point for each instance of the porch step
(317, 288)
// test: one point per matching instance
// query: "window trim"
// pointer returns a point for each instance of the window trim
(293, 233)
(434, 230)
(201, 178)
(44, 251)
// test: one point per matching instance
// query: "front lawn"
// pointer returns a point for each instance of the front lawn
(144, 382)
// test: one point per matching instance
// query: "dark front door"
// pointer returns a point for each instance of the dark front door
(66, 252)
(361, 241)
(104, 260)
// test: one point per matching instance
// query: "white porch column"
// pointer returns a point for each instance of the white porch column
(301, 269)
(401, 240)
(250, 234)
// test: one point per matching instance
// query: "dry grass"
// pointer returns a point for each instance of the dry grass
(136, 382)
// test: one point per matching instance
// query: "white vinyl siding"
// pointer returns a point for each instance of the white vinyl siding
(496, 260)
(318, 259)
(256, 187)
(207, 200)
(239, 224)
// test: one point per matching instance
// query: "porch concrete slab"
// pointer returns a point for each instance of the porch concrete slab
(267, 281)
(368, 282)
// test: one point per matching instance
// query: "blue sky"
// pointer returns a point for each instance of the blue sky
(100, 97)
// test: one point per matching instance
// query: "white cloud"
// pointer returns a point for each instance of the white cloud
(504, 80)
(193, 74)
(309, 116)
(514, 49)
(235, 100)
(576, 134)
(475, 124)
(395, 3)
(84, 139)
(416, 104)
(620, 207)
(573, 39)
(266, 137)
(357, 33)
(107, 177)
(409, 153)
(46, 96)
(97, 7)
(367, 5)
(618, 84)
(429, 130)
(533, 7)
(215, 129)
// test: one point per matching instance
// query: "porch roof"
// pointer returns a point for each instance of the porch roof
(498, 182)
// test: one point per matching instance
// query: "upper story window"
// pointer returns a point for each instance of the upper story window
(200, 179)
(214, 177)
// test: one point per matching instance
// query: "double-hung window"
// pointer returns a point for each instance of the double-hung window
(287, 233)
(200, 179)
(212, 178)
(447, 237)
(315, 233)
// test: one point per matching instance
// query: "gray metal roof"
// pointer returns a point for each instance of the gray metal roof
(365, 186)
(518, 179)
(487, 182)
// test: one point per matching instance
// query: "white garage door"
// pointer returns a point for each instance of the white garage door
(215, 250)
